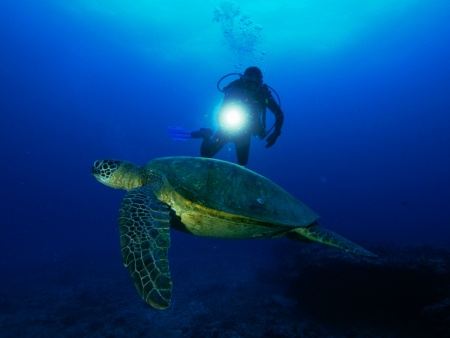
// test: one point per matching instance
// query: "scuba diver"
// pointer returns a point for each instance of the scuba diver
(242, 115)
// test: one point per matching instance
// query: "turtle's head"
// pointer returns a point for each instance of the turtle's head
(118, 174)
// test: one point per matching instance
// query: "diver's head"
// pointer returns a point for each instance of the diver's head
(253, 74)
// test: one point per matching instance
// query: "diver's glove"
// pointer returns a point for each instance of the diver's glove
(272, 138)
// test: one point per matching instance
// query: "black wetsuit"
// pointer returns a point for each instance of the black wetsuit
(256, 98)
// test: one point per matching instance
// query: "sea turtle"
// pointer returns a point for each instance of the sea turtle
(204, 197)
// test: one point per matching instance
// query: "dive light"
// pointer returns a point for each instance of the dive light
(233, 117)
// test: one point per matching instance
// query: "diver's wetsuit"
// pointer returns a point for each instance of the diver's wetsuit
(210, 146)
(256, 98)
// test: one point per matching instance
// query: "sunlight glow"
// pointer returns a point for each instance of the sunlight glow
(244, 31)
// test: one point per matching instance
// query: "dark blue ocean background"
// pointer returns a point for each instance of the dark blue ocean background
(365, 88)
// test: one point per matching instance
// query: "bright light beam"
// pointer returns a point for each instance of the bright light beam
(233, 118)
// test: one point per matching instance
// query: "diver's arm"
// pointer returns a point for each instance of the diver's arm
(276, 110)
(279, 120)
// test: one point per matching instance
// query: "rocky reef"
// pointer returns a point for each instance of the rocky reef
(276, 289)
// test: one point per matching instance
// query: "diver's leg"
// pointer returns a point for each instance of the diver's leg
(242, 149)
(210, 146)
(181, 134)
(202, 133)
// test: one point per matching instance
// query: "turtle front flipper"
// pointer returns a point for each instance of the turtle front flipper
(145, 239)
(316, 233)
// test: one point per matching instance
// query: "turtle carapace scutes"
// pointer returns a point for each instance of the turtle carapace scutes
(204, 197)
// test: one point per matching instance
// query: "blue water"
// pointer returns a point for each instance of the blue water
(366, 144)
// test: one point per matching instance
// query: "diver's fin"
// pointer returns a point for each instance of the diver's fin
(145, 240)
(179, 134)
(315, 233)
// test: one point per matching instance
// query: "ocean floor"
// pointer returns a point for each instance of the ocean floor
(282, 290)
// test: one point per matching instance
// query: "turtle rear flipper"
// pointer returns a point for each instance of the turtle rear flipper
(315, 233)
(145, 240)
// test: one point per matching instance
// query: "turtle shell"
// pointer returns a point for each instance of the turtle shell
(233, 189)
